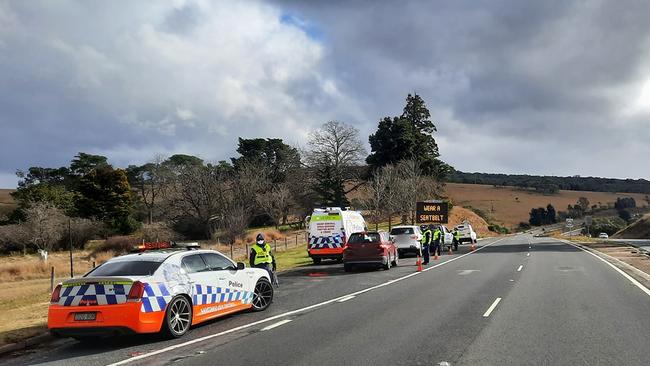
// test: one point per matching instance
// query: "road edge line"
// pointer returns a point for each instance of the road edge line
(289, 313)
(634, 281)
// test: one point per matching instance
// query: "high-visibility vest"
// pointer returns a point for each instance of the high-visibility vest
(262, 255)
(457, 235)
(436, 234)
(426, 237)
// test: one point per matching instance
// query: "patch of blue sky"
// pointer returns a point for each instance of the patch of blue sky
(311, 30)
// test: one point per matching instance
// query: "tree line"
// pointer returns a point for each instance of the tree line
(269, 182)
(552, 184)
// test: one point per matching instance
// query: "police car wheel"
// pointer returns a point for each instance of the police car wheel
(263, 295)
(178, 317)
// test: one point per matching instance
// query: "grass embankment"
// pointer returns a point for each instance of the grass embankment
(25, 291)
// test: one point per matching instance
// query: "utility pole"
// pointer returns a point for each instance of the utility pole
(70, 241)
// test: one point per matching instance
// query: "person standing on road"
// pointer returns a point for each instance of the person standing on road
(456, 239)
(261, 257)
(425, 241)
(436, 240)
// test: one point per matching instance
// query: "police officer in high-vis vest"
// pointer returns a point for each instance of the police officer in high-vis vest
(456, 239)
(425, 241)
(261, 257)
(437, 233)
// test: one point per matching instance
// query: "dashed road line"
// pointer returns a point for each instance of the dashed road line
(520, 267)
(492, 307)
(345, 298)
(275, 325)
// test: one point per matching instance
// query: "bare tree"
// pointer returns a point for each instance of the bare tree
(381, 194)
(413, 186)
(217, 197)
(14, 236)
(45, 225)
(82, 230)
(151, 181)
(276, 203)
(335, 153)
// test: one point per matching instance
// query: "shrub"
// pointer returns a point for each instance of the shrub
(158, 231)
(117, 244)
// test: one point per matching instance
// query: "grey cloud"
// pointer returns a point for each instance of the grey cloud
(542, 87)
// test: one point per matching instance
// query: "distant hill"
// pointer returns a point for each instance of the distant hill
(508, 206)
(551, 184)
(638, 230)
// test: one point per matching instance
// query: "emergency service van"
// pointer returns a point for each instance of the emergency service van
(329, 230)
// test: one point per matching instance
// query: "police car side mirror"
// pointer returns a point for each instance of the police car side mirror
(240, 266)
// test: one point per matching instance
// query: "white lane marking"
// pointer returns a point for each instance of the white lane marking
(629, 278)
(345, 299)
(288, 313)
(520, 267)
(275, 325)
(527, 254)
(492, 307)
(465, 272)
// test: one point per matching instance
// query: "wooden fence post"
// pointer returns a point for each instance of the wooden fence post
(52, 279)
(285, 243)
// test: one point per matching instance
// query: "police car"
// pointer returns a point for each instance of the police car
(167, 289)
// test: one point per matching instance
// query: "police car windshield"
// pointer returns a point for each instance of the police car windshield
(125, 268)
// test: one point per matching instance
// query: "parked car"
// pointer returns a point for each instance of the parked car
(372, 248)
(407, 239)
(603, 236)
(447, 239)
(467, 234)
(164, 290)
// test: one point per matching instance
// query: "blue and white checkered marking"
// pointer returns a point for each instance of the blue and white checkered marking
(94, 294)
(211, 294)
(155, 297)
(320, 242)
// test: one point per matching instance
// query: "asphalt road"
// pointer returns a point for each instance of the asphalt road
(516, 301)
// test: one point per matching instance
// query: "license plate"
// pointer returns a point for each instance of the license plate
(81, 317)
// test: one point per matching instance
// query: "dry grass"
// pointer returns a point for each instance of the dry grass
(509, 206)
(29, 267)
(269, 235)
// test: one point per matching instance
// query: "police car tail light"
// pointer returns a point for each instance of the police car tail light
(56, 295)
(136, 292)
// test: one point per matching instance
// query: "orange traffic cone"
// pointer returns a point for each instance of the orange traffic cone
(435, 257)
(419, 263)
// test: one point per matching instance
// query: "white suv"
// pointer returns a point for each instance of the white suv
(406, 238)
(467, 233)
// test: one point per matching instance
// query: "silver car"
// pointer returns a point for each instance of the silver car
(406, 238)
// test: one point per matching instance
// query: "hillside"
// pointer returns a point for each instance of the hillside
(508, 206)
(6, 201)
(459, 214)
(638, 230)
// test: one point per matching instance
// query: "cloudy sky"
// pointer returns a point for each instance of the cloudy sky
(544, 87)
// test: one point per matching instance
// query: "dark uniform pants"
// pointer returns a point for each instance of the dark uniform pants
(269, 268)
(436, 247)
(425, 253)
